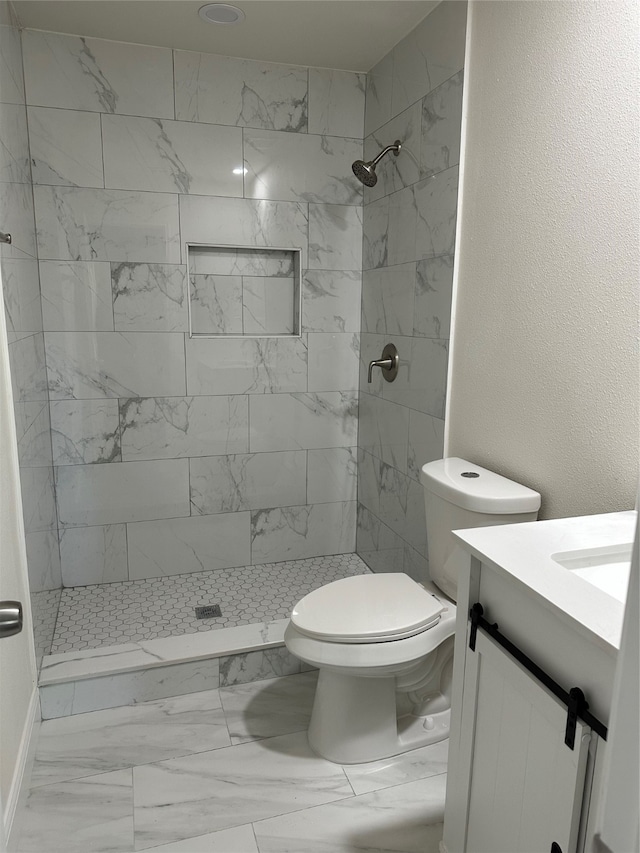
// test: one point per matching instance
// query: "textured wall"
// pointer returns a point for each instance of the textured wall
(21, 295)
(175, 454)
(414, 94)
(544, 379)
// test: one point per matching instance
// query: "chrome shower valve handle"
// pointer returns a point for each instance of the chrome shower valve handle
(388, 363)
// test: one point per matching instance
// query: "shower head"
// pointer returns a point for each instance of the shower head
(365, 172)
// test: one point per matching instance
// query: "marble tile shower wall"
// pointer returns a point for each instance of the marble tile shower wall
(414, 94)
(21, 295)
(175, 454)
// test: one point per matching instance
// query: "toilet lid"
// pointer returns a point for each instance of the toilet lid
(367, 609)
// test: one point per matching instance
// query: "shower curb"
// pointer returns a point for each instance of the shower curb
(112, 676)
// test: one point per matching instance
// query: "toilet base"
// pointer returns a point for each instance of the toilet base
(354, 720)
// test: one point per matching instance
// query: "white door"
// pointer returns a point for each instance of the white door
(526, 784)
(17, 658)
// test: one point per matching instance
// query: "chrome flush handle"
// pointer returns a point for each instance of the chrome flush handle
(388, 363)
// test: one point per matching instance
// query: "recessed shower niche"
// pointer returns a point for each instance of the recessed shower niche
(242, 291)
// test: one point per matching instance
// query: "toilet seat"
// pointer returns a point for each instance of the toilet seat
(375, 608)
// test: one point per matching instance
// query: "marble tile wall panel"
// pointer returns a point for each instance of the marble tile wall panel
(44, 613)
(216, 304)
(114, 293)
(332, 474)
(331, 301)
(85, 431)
(11, 73)
(92, 365)
(196, 544)
(16, 207)
(175, 427)
(303, 421)
(128, 688)
(27, 365)
(76, 296)
(91, 555)
(172, 156)
(383, 430)
(76, 224)
(268, 305)
(433, 294)
(333, 362)
(442, 39)
(388, 301)
(127, 491)
(245, 222)
(336, 102)
(426, 442)
(414, 94)
(441, 120)
(335, 237)
(296, 532)
(38, 499)
(241, 92)
(422, 376)
(247, 481)
(246, 366)
(66, 147)
(33, 431)
(149, 297)
(379, 87)
(43, 560)
(436, 201)
(401, 236)
(21, 293)
(301, 167)
(101, 76)
(381, 548)
(257, 666)
(14, 142)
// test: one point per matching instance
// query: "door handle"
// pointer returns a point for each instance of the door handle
(10, 618)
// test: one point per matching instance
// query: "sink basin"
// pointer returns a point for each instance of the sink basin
(607, 568)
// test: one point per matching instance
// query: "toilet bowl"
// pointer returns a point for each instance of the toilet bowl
(378, 637)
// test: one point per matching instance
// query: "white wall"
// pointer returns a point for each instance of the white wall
(544, 378)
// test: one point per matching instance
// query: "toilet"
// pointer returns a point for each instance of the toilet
(383, 643)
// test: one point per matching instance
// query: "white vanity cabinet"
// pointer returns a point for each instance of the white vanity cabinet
(514, 785)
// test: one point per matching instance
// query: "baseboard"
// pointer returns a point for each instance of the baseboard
(24, 764)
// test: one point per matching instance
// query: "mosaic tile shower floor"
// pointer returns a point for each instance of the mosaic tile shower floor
(114, 613)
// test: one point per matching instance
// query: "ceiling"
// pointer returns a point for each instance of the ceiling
(349, 34)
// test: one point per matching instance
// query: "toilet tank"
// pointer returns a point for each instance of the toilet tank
(460, 495)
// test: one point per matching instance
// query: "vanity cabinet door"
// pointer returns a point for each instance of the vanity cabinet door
(526, 785)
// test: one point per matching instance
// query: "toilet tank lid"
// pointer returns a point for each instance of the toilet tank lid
(474, 488)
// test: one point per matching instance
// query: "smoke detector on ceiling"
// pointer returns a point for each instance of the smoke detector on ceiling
(221, 13)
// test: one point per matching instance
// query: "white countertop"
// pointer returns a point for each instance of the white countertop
(523, 552)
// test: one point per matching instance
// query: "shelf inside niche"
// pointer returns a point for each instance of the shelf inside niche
(243, 291)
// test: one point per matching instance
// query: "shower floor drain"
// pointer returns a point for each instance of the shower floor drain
(208, 611)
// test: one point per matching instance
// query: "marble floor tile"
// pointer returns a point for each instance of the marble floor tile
(90, 814)
(229, 787)
(417, 764)
(264, 709)
(240, 839)
(406, 819)
(101, 741)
